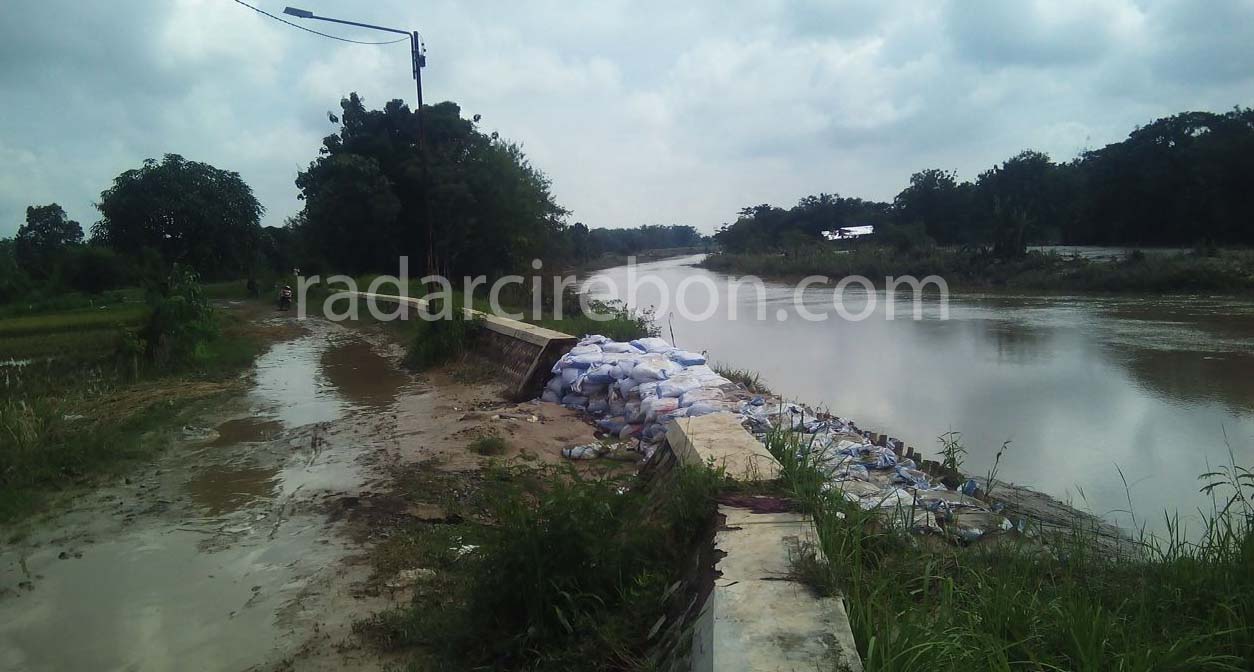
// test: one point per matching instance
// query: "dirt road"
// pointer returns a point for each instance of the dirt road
(231, 551)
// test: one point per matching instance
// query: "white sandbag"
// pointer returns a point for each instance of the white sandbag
(555, 386)
(551, 397)
(686, 358)
(601, 374)
(625, 348)
(626, 386)
(587, 360)
(654, 367)
(656, 406)
(700, 408)
(584, 349)
(575, 401)
(645, 390)
(569, 375)
(677, 385)
(652, 344)
(700, 394)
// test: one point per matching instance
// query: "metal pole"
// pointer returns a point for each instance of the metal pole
(416, 54)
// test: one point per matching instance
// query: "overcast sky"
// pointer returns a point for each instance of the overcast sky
(640, 112)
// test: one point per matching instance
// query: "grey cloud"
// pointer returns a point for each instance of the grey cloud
(639, 112)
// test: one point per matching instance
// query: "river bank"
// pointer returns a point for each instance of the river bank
(1222, 271)
(1082, 386)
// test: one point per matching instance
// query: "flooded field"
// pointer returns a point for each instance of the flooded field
(219, 553)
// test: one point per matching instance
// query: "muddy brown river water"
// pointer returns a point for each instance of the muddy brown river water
(219, 556)
(1082, 386)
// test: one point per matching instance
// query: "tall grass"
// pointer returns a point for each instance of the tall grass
(570, 572)
(1011, 603)
(752, 380)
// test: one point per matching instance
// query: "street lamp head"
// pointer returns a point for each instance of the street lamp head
(301, 13)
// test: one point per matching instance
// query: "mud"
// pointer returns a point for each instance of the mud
(231, 551)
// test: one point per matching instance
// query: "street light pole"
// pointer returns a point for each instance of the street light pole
(418, 58)
(419, 61)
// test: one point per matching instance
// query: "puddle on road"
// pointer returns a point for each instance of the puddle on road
(223, 489)
(246, 430)
(203, 590)
(361, 375)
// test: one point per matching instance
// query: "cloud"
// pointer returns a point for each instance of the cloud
(638, 111)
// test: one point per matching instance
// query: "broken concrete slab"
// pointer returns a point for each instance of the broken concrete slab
(719, 439)
(758, 618)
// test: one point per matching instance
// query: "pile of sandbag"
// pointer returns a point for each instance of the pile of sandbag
(635, 388)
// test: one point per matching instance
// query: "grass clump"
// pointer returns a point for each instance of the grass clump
(752, 380)
(567, 572)
(438, 341)
(1011, 603)
(489, 445)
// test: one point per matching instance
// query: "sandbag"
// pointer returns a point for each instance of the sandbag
(549, 396)
(656, 406)
(652, 344)
(699, 394)
(677, 385)
(686, 358)
(577, 401)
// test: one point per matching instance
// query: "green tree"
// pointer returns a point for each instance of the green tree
(941, 205)
(44, 238)
(1020, 200)
(474, 205)
(191, 213)
(13, 281)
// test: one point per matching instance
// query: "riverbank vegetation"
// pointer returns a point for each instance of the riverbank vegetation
(1062, 602)
(546, 569)
(1174, 182)
(1210, 270)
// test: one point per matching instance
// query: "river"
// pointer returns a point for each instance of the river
(1083, 387)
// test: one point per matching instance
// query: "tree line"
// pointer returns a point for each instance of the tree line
(470, 204)
(1182, 180)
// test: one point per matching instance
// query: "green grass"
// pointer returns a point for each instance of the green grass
(752, 380)
(44, 451)
(1179, 603)
(567, 572)
(53, 435)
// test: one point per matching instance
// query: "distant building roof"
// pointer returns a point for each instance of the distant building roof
(849, 232)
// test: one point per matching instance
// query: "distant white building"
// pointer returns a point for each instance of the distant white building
(849, 232)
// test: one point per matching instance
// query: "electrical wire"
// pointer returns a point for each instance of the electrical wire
(308, 30)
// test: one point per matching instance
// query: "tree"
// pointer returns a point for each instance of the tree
(44, 238)
(191, 213)
(475, 205)
(937, 202)
(1020, 199)
(13, 282)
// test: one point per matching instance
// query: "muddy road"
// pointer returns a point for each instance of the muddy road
(220, 555)
(245, 545)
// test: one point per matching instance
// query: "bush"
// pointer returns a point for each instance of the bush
(572, 572)
(182, 322)
(440, 341)
(92, 269)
